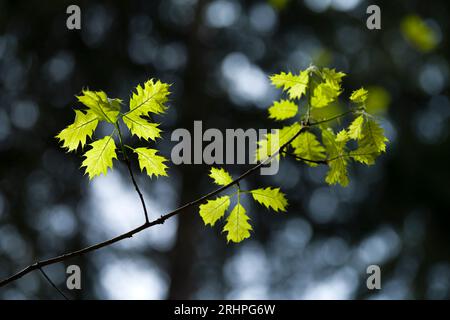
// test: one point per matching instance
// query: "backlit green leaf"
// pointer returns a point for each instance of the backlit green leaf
(282, 110)
(295, 85)
(355, 130)
(99, 104)
(308, 147)
(150, 98)
(220, 176)
(141, 127)
(271, 198)
(151, 162)
(76, 133)
(213, 210)
(100, 157)
(335, 147)
(359, 96)
(237, 226)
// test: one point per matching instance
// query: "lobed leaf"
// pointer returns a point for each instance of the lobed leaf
(220, 176)
(213, 210)
(355, 130)
(151, 162)
(359, 96)
(141, 127)
(295, 85)
(237, 226)
(372, 143)
(100, 157)
(327, 91)
(323, 95)
(271, 198)
(332, 77)
(99, 104)
(282, 110)
(307, 146)
(272, 142)
(150, 98)
(335, 146)
(76, 133)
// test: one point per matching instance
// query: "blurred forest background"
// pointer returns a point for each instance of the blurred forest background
(218, 55)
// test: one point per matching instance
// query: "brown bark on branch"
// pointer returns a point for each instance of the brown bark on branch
(147, 224)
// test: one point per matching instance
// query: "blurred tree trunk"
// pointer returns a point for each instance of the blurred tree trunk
(183, 255)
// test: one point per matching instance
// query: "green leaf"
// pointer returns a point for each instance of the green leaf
(141, 127)
(288, 132)
(237, 225)
(271, 198)
(274, 141)
(220, 176)
(335, 146)
(323, 95)
(267, 146)
(342, 138)
(76, 133)
(332, 77)
(283, 109)
(150, 98)
(151, 162)
(359, 96)
(327, 91)
(355, 130)
(100, 157)
(213, 210)
(98, 103)
(364, 155)
(307, 146)
(374, 136)
(295, 85)
(372, 143)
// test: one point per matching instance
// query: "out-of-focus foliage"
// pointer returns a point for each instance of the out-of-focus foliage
(279, 4)
(378, 100)
(418, 33)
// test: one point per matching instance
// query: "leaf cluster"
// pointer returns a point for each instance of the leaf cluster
(307, 138)
(237, 224)
(146, 101)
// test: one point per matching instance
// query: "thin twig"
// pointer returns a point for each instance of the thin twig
(161, 219)
(130, 171)
(127, 161)
(332, 118)
(304, 159)
(53, 284)
(146, 225)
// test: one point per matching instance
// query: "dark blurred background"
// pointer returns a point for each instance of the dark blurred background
(218, 54)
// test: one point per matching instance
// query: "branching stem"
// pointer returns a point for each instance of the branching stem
(130, 171)
(53, 284)
(162, 218)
